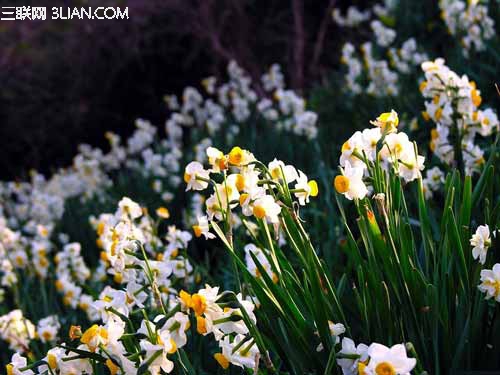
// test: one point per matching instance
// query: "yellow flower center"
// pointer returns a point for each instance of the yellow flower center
(84, 306)
(313, 185)
(341, 184)
(221, 359)
(91, 334)
(100, 228)
(361, 368)
(59, 285)
(426, 116)
(43, 262)
(197, 230)
(103, 256)
(385, 368)
(259, 212)
(388, 120)
(118, 278)
(439, 113)
(10, 368)
(397, 149)
(495, 285)
(434, 134)
(113, 248)
(236, 156)
(173, 347)
(240, 182)
(276, 173)
(201, 325)
(187, 177)
(222, 163)
(346, 146)
(52, 360)
(19, 260)
(476, 98)
(163, 212)
(113, 369)
(199, 304)
(243, 198)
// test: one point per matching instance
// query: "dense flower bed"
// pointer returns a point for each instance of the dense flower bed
(233, 241)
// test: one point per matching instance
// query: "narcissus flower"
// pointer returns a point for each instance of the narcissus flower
(217, 159)
(352, 150)
(195, 176)
(490, 282)
(481, 241)
(163, 212)
(389, 361)
(177, 326)
(261, 258)
(203, 228)
(350, 356)
(387, 121)
(350, 183)
(17, 363)
(305, 188)
(280, 171)
(266, 208)
(239, 157)
(410, 166)
(370, 139)
(53, 359)
(244, 356)
(47, 328)
(129, 208)
(95, 336)
(164, 345)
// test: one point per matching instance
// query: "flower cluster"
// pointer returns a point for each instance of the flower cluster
(433, 181)
(235, 101)
(127, 238)
(490, 282)
(72, 273)
(453, 104)
(48, 328)
(258, 189)
(26, 251)
(17, 330)
(369, 68)
(157, 340)
(481, 242)
(150, 269)
(381, 146)
(469, 21)
(226, 317)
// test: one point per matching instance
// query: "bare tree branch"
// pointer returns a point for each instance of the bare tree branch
(320, 39)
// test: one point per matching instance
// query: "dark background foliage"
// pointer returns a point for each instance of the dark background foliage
(65, 82)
